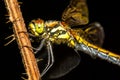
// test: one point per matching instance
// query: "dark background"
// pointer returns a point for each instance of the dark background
(107, 13)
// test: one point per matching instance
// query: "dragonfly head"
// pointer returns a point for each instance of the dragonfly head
(36, 27)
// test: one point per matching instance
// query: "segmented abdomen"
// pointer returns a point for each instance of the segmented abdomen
(95, 51)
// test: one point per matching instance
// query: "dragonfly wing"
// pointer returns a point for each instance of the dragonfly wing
(95, 34)
(92, 33)
(76, 13)
(64, 63)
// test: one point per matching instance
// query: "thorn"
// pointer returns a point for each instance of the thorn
(20, 3)
(13, 38)
(7, 18)
(38, 60)
(7, 15)
(8, 21)
(24, 77)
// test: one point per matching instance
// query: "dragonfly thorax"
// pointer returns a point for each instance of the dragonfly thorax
(56, 31)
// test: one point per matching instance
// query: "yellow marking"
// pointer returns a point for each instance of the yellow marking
(33, 30)
(31, 26)
(72, 43)
(114, 55)
(39, 27)
(64, 36)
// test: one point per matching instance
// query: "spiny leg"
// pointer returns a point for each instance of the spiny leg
(50, 54)
(50, 58)
(40, 46)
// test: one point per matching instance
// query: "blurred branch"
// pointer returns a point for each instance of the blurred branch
(21, 36)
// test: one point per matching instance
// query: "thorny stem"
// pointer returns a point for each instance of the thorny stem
(15, 16)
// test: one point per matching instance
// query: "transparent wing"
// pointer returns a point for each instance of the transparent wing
(95, 34)
(76, 13)
(64, 63)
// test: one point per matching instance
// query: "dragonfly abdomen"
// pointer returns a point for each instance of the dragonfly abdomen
(96, 51)
(93, 50)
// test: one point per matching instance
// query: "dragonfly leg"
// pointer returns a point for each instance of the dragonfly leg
(30, 34)
(40, 46)
(50, 58)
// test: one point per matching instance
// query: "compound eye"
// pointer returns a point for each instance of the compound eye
(32, 28)
(31, 25)
(39, 26)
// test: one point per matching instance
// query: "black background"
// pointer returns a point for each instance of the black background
(107, 13)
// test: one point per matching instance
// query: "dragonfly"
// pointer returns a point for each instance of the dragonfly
(88, 39)
(74, 32)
